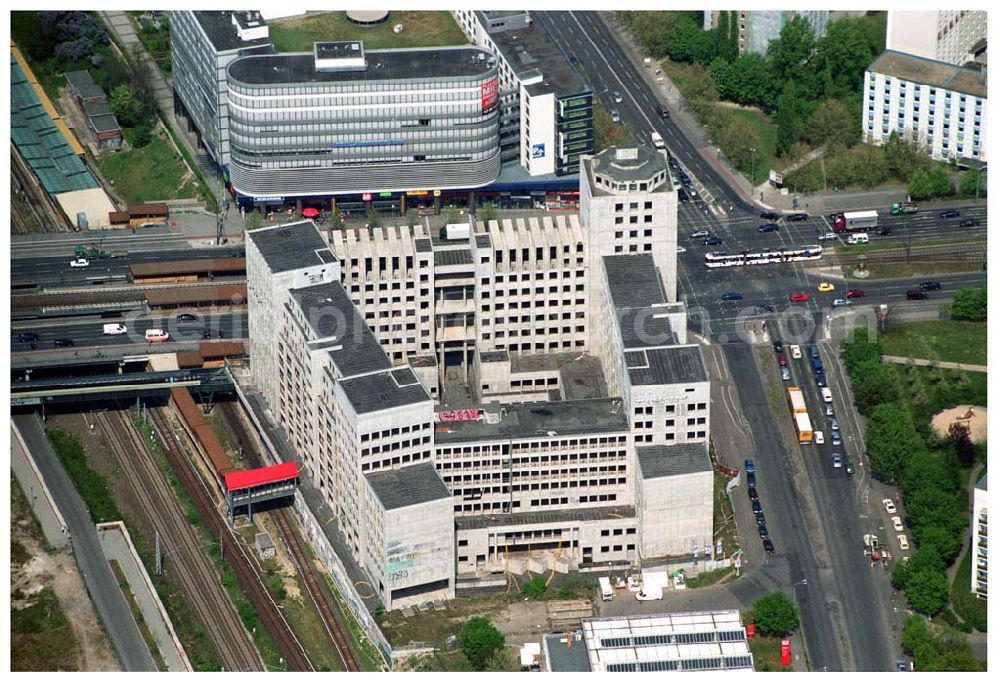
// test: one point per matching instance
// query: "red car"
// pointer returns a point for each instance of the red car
(782, 360)
(855, 294)
(798, 297)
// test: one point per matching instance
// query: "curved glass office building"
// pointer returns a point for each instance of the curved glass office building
(342, 120)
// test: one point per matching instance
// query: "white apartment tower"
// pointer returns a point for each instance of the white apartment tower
(943, 35)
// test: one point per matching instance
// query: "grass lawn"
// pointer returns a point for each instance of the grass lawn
(898, 240)
(154, 172)
(765, 128)
(966, 604)
(948, 341)
(420, 29)
(898, 270)
(607, 132)
(767, 654)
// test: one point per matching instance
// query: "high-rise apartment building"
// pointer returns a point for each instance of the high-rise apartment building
(942, 35)
(980, 539)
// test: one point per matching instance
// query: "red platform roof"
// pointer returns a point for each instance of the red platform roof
(249, 478)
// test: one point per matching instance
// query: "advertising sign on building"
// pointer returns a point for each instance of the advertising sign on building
(537, 151)
(775, 177)
(490, 95)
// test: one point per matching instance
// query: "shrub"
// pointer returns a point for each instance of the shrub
(969, 304)
(775, 614)
(479, 639)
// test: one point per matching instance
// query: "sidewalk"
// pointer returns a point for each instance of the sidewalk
(930, 363)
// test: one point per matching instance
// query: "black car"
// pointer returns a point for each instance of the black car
(762, 530)
(779, 347)
(755, 506)
(768, 546)
(821, 380)
(885, 231)
(950, 214)
(915, 294)
(751, 481)
(763, 309)
(63, 343)
(929, 286)
(760, 518)
(752, 492)
(712, 240)
(682, 195)
(771, 216)
(662, 111)
(732, 296)
(969, 222)
(187, 317)
(798, 217)
(573, 60)
(27, 336)
(767, 228)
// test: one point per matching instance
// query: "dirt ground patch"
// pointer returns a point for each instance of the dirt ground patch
(37, 572)
(973, 415)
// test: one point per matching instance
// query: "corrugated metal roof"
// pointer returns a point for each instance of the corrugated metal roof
(248, 478)
(234, 293)
(222, 349)
(219, 265)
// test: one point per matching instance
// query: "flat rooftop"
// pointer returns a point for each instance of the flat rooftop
(563, 655)
(408, 486)
(661, 366)
(634, 280)
(635, 163)
(219, 27)
(645, 327)
(930, 72)
(292, 246)
(384, 390)
(530, 51)
(581, 375)
(339, 327)
(545, 419)
(400, 64)
(657, 461)
(569, 516)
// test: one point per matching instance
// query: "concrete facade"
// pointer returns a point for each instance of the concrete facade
(979, 540)
(942, 35)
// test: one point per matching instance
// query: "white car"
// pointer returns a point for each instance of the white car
(903, 543)
(818, 438)
(889, 506)
(80, 263)
(842, 302)
(681, 250)
(828, 236)
(701, 234)
(615, 117)
(897, 523)
(796, 352)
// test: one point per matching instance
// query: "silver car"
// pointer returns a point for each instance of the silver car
(834, 424)
(828, 409)
(828, 236)
(835, 438)
(785, 374)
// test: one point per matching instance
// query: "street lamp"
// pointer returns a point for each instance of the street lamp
(753, 168)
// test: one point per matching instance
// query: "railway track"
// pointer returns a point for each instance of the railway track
(233, 551)
(181, 544)
(34, 198)
(332, 619)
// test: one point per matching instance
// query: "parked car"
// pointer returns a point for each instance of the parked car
(768, 546)
(890, 507)
(748, 466)
(950, 214)
(80, 263)
(760, 518)
(27, 336)
(969, 222)
(732, 296)
(751, 481)
(903, 543)
(837, 461)
(701, 234)
(842, 302)
(930, 285)
(762, 530)
(798, 297)
(755, 506)
(855, 293)
(615, 117)
(682, 195)
(897, 523)
(752, 492)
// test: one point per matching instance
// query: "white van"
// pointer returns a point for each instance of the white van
(827, 394)
(157, 335)
(857, 238)
(657, 140)
(606, 591)
(114, 329)
(818, 438)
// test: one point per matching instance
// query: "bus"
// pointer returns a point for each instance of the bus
(766, 256)
(800, 414)
(852, 221)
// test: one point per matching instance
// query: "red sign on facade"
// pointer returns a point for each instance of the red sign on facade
(367, 197)
(490, 95)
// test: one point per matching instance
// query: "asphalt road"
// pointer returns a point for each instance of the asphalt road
(56, 271)
(132, 651)
(89, 331)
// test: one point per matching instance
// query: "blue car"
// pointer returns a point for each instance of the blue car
(749, 466)
(751, 481)
(732, 296)
(755, 505)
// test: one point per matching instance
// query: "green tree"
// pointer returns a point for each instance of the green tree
(736, 139)
(890, 439)
(965, 449)
(750, 80)
(487, 212)
(904, 156)
(790, 114)
(969, 304)
(874, 386)
(929, 183)
(834, 122)
(502, 661)
(927, 591)
(901, 574)
(373, 217)
(479, 639)
(949, 652)
(775, 614)
(126, 106)
(973, 183)
(536, 587)
(859, 348)
(336, 221)
(915, 633)
(452, 215)
(843, 53)
(790, 53)
(253, 220)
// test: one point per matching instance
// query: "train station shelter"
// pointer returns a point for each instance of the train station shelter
(247, 487)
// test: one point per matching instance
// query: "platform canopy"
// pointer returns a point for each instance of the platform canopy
(248, 478)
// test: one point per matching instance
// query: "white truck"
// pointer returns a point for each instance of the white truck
(607, 593)
(650, 591)
(455, 232)
(115, 329)
(657, 140)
